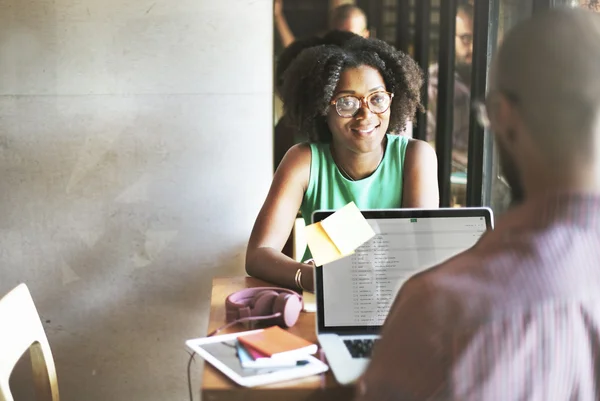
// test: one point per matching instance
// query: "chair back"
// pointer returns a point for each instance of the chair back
(20, 331)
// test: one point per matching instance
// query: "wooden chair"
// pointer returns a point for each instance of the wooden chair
(22, 330)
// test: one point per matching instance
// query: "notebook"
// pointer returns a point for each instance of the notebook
(254, 354)
(276, 342)
(248, 361)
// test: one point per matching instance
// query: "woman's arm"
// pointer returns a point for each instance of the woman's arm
(287, 37)
(420, 188)
(275, 220)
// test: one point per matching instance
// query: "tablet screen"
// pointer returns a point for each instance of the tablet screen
(221, 352)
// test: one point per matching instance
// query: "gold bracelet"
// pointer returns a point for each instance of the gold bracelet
(298, 279)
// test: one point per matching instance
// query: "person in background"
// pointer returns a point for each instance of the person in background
(346, 17)
(463, 54)
(350, 18)
(592, 5)
(347, 99)
(517, 317)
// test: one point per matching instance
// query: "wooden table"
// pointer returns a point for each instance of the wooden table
(216, 386)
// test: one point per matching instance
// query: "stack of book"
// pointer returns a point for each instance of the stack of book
(273, 347)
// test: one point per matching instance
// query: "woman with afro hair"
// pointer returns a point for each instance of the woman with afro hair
(348, 100)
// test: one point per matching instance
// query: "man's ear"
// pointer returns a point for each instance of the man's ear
(503, 117)
(366, 33)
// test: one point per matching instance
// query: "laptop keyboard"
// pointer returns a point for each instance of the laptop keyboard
(360, 348)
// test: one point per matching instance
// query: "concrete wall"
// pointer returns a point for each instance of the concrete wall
(135, 152)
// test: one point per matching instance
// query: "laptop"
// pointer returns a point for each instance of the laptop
(354, 293)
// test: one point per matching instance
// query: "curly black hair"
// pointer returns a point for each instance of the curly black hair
(334, 37)
(309, 83)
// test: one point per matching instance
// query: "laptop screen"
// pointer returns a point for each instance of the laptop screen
(355, 293)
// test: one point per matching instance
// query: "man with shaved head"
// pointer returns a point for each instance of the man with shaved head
(517, 317)
(344, 17)
(349, 18)
(461, 104)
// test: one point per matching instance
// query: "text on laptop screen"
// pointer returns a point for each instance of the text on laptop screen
(358, 290)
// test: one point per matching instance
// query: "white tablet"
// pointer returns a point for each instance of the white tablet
(220, 351)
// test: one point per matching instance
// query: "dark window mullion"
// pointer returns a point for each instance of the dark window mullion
(422, 43)
(488, 155)
(478, 90)
(375, 16)
(403, 25)
(445, 106)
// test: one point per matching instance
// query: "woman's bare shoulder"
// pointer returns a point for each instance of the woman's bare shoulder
(297, 157)
(420, 151)
(296, 164)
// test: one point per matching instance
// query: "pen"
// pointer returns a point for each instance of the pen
(277, 364)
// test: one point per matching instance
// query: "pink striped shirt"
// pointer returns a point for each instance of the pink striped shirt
(516, 317)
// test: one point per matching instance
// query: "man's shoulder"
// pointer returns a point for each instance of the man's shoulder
(440, 286)
(438, 275)
(459, 288)
(473, 282)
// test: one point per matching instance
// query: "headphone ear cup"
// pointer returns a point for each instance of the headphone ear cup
(263, 302)
(290, 307)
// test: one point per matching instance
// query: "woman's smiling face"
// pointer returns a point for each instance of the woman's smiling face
(363, 132)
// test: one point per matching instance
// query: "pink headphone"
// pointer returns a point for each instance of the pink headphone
(281, 305)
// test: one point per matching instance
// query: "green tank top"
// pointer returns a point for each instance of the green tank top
(328, 189)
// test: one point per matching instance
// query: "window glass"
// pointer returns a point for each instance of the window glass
(510, 12)
(593, 5)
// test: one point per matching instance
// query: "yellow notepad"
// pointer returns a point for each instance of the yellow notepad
(347, 228)
(321, 247)
(338, 235)
(310, 301)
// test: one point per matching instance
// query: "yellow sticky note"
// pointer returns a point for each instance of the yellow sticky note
(347, 228)
(323, 250)
(310, 301)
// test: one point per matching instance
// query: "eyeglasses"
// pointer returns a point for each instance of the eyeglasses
(481, 107)
(376, 102)
(466, 38)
